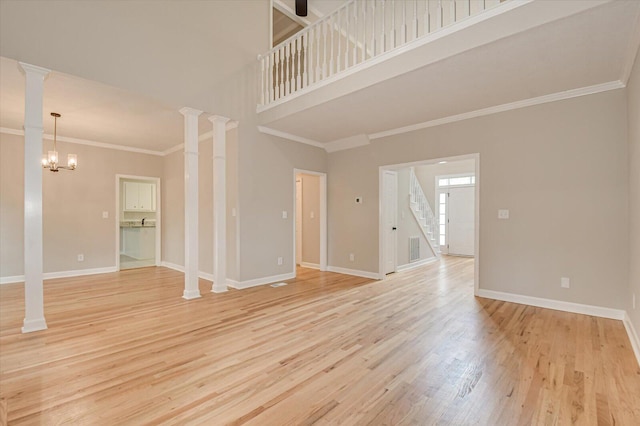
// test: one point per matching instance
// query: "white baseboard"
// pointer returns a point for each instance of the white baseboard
(60, 274)
(180, 268)
(355, 272)
(410, 266)
(239, 285)
(558, 305)
(310, 265)
(633, 336)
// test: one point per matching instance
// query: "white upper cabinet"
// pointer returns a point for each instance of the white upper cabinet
(139, 196)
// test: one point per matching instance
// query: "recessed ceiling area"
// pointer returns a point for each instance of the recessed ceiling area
(94, 111)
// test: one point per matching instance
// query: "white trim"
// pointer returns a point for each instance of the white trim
(347, 143)
(574, 93)
(310, 265)
(60, 274)
(285, 135)
(414, 265)
(239, 285)
(633, 336)
(558, 305)
(354, 272)
(204, 275)
(34, 325)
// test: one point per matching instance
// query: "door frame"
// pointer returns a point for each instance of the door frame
(156, 181)
(395, 167)
(322, 217)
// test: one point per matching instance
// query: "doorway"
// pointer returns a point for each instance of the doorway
(463, 200)
(138, 221)
(310, 220)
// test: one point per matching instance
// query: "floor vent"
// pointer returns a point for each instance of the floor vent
(414, 249)
(278, 284)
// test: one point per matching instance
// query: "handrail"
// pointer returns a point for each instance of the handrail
(417, 197)
(356, 32)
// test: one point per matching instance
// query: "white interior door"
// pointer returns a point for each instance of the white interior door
(298, 220)
(461, 208)
(390, 220)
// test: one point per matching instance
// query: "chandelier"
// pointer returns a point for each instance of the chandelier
(50, 161)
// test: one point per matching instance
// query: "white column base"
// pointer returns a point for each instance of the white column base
(218, 289)
(191, 294)
(30, 326)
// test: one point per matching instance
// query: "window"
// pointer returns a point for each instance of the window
(457, 181)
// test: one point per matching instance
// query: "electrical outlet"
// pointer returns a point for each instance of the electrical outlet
(279, 261)
(565, 282)
(105, 215)
(352, 257)
(81, 258)
(503, 214)
(233, 212)
(284, 214)
(312, 215)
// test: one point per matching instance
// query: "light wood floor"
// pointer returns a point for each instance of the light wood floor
(417, 348)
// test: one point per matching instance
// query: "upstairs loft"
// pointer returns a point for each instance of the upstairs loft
(373, 67)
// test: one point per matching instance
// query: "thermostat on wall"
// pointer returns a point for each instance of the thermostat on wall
(358, 200)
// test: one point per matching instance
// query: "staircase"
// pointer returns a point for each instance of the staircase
(421, 210)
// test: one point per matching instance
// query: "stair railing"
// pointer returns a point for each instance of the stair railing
(358, 31)
(423, 209)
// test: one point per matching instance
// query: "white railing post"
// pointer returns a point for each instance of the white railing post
(415, 19)
(439, 21)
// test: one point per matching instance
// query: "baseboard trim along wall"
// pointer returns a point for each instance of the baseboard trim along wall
(410, 266)
(633, 336)
(310, 265)
(179, 268)
(355, 272)
(558, 305)
(60, 274)
(240, 285)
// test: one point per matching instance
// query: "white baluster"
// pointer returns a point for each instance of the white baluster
(453, 12)
(383, 35)
(347, 36)
(364, 31)
(439, 15)
(393, 24)
(427, 18)
(355, 33)
(415, 19)
(339, 57)
(325, 49)
(403, 28)
(373, 28)
(287, 72)
(299, 63)
(280, 76)
(305, 71)
(263, 82)
(318, 35)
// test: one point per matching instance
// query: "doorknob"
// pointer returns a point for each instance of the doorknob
(394, 228)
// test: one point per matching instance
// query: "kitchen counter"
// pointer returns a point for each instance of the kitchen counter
(137, 225)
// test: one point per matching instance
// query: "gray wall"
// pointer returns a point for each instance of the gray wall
(73, 203)
(633, 117)
(562, 170)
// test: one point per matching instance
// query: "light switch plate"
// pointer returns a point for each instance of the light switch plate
(565, 282)
(105, 215)
(503, 214)
(313, 215)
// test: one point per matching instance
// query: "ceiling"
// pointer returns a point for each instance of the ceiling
(94, 111)
(589, 48)
(283, 27)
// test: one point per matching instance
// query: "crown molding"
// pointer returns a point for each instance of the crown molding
(347, 143)
(285, 135)
(574, 93)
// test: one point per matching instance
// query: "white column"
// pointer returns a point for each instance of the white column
(219, 203)
(191, 252)
(33, 289)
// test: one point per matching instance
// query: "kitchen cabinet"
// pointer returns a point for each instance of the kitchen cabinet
(139, 196)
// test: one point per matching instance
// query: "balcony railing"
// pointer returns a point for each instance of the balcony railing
(355, 33)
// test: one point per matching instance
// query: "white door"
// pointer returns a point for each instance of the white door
(390, 220)
(461, 209)
(298, 220)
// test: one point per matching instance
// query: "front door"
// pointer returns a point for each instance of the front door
(461, 208)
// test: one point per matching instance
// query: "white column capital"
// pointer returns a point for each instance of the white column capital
(190, 111)
(219, 119)
(33, 69)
